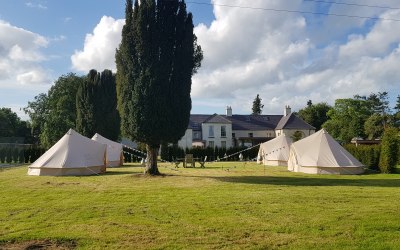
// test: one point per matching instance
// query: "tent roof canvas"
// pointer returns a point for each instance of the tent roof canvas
(72, 151)
(275, 151)
(114, 150)
(320, 150)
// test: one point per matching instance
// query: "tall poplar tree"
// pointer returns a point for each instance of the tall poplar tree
(156, 60)
(85, 110)
(96, 104)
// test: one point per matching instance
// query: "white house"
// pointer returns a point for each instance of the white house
(234, 130)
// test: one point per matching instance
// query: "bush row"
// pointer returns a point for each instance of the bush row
(20, 155)
(366, 154)
(170, 153)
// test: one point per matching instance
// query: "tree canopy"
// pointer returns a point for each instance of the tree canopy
(257, 106)
(53, 114)
(96, 105)
(155, 61)
(315, 114)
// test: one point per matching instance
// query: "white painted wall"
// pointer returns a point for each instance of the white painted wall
(256, 133)
(187, 140)
(290, 132)
(217, 139)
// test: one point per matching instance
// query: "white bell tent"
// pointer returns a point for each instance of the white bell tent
(73, 154)
(319, 153)
(275, 152)
(114, 151)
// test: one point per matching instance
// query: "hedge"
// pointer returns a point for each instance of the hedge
(390, 149)
(366, 154)
(170, 153)
(20, 155)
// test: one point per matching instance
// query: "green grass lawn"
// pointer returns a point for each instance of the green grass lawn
(224, 206)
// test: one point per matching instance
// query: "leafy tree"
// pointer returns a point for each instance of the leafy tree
(389, 151)
(374, 126)
(257, 106)
(297, 135)
(9, 122)
(155, 61)
(53, 114)
(396, 115)
(37, 111)
(315, 115)
(12, 126)
(347, 119)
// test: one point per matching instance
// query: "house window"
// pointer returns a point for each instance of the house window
(211, 144)
(250, 134)
(196, 135)
(223, 131)
(223, 144)
(211, 131)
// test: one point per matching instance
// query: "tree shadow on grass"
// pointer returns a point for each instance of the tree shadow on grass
(312, 181)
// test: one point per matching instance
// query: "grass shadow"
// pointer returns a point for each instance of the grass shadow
(312, 181)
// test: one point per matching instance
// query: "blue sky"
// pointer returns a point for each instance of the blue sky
(287, 58)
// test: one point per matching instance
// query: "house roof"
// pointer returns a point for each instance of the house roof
(293, 122)
(250, 122)
(239, 122)
(217, 119)
(254, 122)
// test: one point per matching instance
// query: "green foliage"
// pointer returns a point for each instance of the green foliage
(12, 126)
(257, 106)
(315, 114)
(3, 153)
(9, 155)
(169, 153)
(85, 102)
(54, 114)
(155, 62)
(366, 154)
(297, 135)
(96, 104)
(347, 119)
(15, 154)
(390, 149)
(374, 126)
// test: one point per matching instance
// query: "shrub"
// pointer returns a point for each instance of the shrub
(9, 155)
(366, 154)
(3, 154)
(15, 155)
(390, 149)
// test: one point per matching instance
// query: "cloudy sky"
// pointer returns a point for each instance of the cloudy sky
(280, 49)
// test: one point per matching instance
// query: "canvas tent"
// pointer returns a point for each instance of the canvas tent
(275, 152)
(321, 154)
(73, 154)
(114, 151)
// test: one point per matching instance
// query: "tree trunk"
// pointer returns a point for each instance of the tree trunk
(151, 160)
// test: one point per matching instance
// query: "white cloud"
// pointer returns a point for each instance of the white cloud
(99, 48)
(20, 56)
(284, 58)
(36, 76)
(36, 5)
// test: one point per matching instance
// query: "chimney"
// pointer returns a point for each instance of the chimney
(287, 110)
(228, 111)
